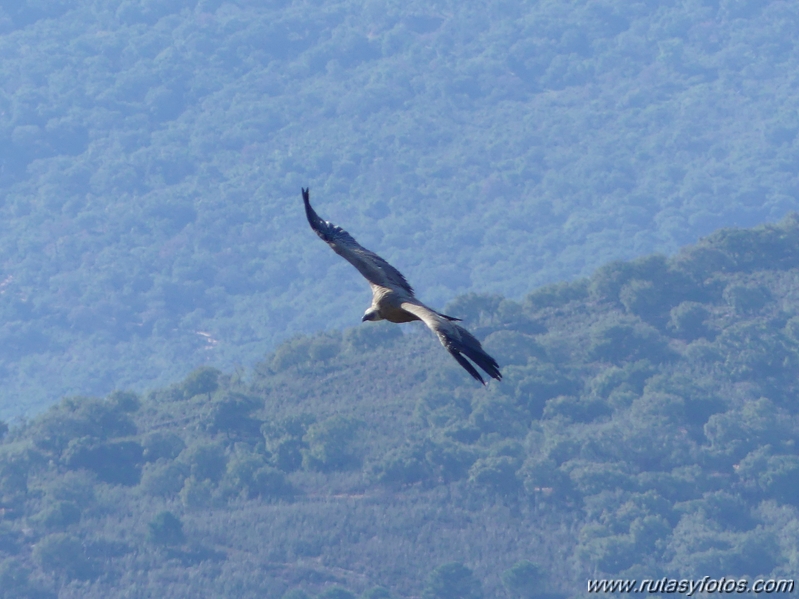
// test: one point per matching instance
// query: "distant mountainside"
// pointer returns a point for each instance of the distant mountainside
(151, 156)
(646, 427)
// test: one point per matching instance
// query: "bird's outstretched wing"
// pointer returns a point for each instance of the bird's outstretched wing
(376, 270)
(458, 341)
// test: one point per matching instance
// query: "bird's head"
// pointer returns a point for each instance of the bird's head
(371, 314)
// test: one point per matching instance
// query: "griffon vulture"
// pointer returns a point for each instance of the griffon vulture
(393, 298)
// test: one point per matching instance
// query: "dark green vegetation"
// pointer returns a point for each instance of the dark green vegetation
(647, 426)
(152, 153)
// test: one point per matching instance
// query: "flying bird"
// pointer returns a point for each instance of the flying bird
(393, 298)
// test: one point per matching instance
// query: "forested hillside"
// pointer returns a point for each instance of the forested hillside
(152, 152)
(646, 426)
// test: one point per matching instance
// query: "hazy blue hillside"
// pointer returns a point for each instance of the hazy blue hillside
(151, 155)
(646, 426)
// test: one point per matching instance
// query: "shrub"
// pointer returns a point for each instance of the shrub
(402, 466)
(9, 540)
(524, 580)
(162, 445)
(13, 478)
(165, 529)
(364, 338)
(496, 473)
(512, 347)
(196, 493)
(270, 483)
(745, 299)
(125, 401)
(59, 515)
(15, 582)
(79, 417)
(63, 555)
(330, 445)
(324, 347)
(287, 454)
(117, 462)
(556, 295)
(290, 354)
(687, 320)
(450, 461)
(619, 340)
(163, 479)
(452, 581)
(231, 414)
(477, 309)
(205, 461)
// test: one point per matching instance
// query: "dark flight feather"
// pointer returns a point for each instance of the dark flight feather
(376, 270)
(463, 342)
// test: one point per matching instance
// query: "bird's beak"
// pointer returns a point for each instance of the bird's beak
(365, 318)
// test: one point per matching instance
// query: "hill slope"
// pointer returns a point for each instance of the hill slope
(152, 156)
(646, 427)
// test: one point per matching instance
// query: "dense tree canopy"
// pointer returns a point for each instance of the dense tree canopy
(151, 156)
(629, 438)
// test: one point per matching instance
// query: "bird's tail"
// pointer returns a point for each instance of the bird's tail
(463, 343)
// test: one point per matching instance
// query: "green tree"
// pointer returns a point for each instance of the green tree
(745, 299)
(513, 347)
(291, 354)
(207, 461)
(524, 580)
(231, 414)
(202, 381)
(270, 483)
(63, 555)
(117, 462)
(59, 515)
(582, 409)
(776, 476)
(9, 539)
(497, 474)
(449, 460)
(688, 319)
(642, 298)
(287, 454)
(358, 339)
(125, 401)
(166, 529)
(324, 347)
(330, 444)
(452, 580)
(196, 493)
(13, 478)
(402, 466)
(558, 294)
(474, 308)
(618, 340)
(162, 445)
(163, 479)
(15, 582)
(81, 417)
(336, 592)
